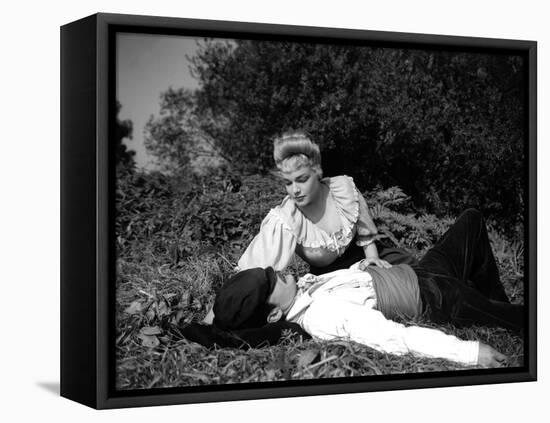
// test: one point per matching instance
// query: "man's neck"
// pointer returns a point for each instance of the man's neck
(290, 305)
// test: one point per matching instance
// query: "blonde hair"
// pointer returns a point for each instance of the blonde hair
(293, 150)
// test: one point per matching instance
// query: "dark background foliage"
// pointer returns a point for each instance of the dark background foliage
(446, 127)
(123, 130)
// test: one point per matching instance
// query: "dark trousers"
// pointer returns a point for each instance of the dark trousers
(459, 280)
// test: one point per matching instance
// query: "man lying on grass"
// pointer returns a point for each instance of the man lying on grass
(456, 282)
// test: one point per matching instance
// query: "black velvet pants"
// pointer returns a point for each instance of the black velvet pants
(459, 280)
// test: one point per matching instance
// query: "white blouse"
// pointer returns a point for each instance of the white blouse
(285, 231)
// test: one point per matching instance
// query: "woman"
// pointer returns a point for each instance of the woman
(324, 220)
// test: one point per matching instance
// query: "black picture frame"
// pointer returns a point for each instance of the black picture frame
(87, 224)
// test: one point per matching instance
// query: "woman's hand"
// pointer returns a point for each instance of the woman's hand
(371, 257)
(363, 264)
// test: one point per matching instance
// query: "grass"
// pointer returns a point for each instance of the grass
(177, 362)
(170, 297)
(157, 292)
(186, 364)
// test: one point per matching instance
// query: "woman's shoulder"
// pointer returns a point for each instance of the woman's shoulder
(287, 206)
(345, 195)
(286, 213)
(342, 186)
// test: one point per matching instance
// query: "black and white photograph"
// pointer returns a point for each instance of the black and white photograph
(244, 211)
(314, 209)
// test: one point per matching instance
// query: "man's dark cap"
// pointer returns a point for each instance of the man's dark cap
(242, 301)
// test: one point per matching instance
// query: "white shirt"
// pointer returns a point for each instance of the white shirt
(342, 304)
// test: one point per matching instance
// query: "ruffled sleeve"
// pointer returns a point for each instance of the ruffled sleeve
(366, 229)
(273, 246)
(353, 209)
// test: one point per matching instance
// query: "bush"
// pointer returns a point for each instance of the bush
(161, 217)
(446, 126)
(164, 219)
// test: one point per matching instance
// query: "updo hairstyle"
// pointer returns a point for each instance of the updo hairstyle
(294, 150)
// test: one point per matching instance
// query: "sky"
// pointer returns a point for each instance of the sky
(146, 66)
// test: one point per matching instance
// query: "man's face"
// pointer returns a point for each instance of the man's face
(284, 292)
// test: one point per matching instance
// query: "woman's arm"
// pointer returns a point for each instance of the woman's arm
(366, 235)
(273, 246)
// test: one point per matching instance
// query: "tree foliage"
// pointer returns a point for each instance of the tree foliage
(445, 126)
(177, 138)
(124, 128)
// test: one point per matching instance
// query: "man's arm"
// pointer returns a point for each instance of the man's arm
(329, 318)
